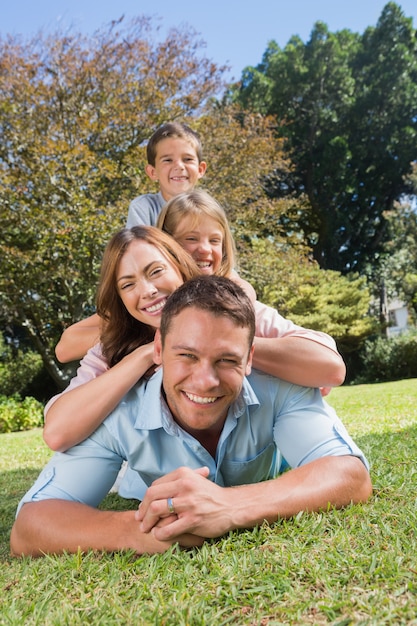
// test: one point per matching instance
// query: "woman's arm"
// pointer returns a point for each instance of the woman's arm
(300, 361)
(295, 354)
(78, 411)
(78, 338)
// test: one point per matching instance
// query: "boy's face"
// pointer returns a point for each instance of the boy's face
(205, 359)
(177, 168)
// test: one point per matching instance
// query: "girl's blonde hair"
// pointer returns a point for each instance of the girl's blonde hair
(122, 333)
(198, 204)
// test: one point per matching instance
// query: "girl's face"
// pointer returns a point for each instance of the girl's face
(203, 241)
(145, 279)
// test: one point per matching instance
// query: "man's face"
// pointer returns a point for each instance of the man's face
(205, 359)
(176, 168)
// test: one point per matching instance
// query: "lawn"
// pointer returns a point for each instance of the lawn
(355, 566)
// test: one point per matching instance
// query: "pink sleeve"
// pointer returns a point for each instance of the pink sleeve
(269, 323)
(91, 366)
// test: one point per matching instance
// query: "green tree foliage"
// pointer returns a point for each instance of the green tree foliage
(17, 368)
(394, 275)
(388, 359)
(346, 107)
(240, 147)
(17, 414)
(324, 300)
(396, 269)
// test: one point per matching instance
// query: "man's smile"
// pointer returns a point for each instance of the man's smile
(200, 399)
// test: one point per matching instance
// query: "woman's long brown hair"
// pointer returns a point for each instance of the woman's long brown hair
(121, 332)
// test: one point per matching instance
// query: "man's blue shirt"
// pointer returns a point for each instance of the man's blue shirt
(272, 424)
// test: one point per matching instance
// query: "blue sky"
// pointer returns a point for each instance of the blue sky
(236, 32)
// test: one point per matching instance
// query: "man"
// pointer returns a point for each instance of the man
(210, 442)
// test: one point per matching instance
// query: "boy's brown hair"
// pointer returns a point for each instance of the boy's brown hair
(177, 130)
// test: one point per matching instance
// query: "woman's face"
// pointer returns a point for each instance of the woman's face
(203, 241)
(145, 279)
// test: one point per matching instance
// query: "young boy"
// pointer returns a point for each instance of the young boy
(174, 155)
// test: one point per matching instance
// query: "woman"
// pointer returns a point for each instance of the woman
(141, 268)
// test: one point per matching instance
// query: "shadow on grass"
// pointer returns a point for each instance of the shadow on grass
(392, 456)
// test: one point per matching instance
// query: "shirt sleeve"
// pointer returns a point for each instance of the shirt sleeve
(269, 323)
(91, 366)
(307, 428)
(84, 473)
(144, 210)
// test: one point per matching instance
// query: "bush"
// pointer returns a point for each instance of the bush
(384, 359)
(17, 414)
(17, 369)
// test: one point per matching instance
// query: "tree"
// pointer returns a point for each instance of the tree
(292, 282)
(242, 146)
(346, 107)
(74, 113)
(17, 368)
(396, 271)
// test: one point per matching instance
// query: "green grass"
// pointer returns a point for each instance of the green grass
(355, 566)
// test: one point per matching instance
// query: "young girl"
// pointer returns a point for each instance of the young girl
(198, 222)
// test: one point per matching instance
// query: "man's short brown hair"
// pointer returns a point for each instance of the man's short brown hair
(218, 295)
